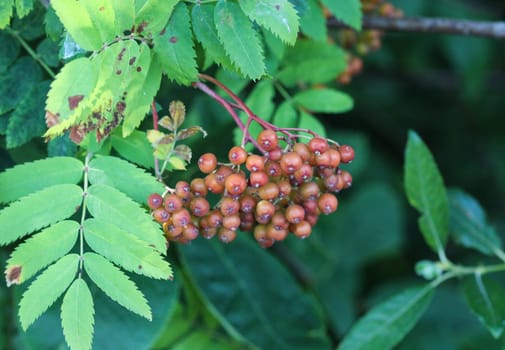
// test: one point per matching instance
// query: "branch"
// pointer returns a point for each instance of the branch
(431, 25)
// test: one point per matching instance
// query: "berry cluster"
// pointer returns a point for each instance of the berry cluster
(281, 191)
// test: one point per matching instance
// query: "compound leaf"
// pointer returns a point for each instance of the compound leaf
(278, 16)
(324, 101)
(348, 11)
(239, 39)
(486, 299)
(37, 210)
(24, 179)
(135, 147)
(125, 250)
(468, 224)
(153, 15)
(126, 177)
(202, 17)
(40, 250)
(103, 17)
(108, 204)
(44, 291)
(174, 47)
(113, 282)
(386, 324)
(426, 192)
(77, 316)
(79, 23)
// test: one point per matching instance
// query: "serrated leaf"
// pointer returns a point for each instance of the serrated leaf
(103, 17)
(27, 120)
(278, 16)
(174, 47)
(191, 131)
(286, 116)
(77, 316)
(9, 50)
(124, 15)
(40, 250)
(78, 22)
(248, 301)
(468, 224)
(23, 7)
(17, 81)
(113, 282)
(24, 179)
(139, 98)
(153, 15)
(387, 323)
(125, 250)
(313, 22)
(126, 177)
(47, 50)
(426, 192)
(6, 10)
(177, 111)
(202, 19)
(135, 148)
(348, 11)
(324, 101)
(239, 39)
(38, 210)
(53, 26)
(312, 61)
(44, 291)
(110, 205)
(167, 123)
(486, 299)
(177, 163)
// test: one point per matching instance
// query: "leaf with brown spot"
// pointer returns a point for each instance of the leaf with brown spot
(73, 101)
(177, 112)
(12, 275)
(167, 123)
(185, 133)
(183, 152)
(52, 119)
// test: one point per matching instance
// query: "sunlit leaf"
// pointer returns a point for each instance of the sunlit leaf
(324, 100)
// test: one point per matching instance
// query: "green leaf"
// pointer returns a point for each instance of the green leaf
(239, 39)
(126, 177)
(153, 15)
(426, 192)
(202, 17)
(140, 96)
(53, 26)
(44, 291)
(37, 210)
(47, 50)
(79, 23)
(17, 81)
(103, 17)
(113, 282)
(110, 205)
(313, 22)
(486, 299)
(27, 120)
(324, 101)
(125, 250)
(174, 47)
(387, 323)
(24, 179)
(23, 7)
(6, 8)
(348, 11)
(40, 250)
(308, 121)
(312, 61)
(77, 316)
(278, 16)
(248, 301)
(135, 148)
(9, 50)
(468, 224)
(286, 116)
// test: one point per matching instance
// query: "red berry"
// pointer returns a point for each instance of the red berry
(229, 206)
(295, 213)
(161, 215)
(275, 154)
(334, 158)
(346, 153)
(171, 231)
(309, 190)
(172, 203)
(199, 206)
(215, 218)
(284, 188)
(255, 163)
(154, 201)
(303, 150)
(346, 178)
(277, 234)
(235, 184)
(207, 163)
(268, 140)
(246, 222)
(231, 222)
(279, 221)
(198, 187)
(264, 211)
(237, 155)
(258, 178)
(213, 185)
(291, 162)
(225, 235)
(318, 145)
(222, 173)
(247, 204)
(273, 169)
(268, 191)
(302, 229)
(183, 191)
(327, 203)
(181, 217)
(190, 232)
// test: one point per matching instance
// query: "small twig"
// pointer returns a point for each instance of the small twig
(494, 30)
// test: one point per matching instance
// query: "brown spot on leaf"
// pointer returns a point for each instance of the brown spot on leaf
(118, 72)
(120, 54)
(141, 27)
(77, 133)
(13, 275)
(140, 267)
(173, 39)
(132, 61)
(101, 8)
(277, 7)
(163, 31)
(139, 69)
(52, 119)
(73, 101)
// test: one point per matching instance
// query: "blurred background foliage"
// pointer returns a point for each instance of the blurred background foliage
(447, 88)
